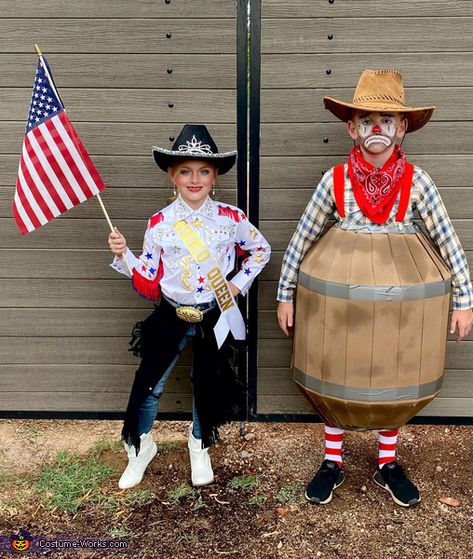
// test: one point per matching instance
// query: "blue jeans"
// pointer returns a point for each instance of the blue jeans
(149, 408)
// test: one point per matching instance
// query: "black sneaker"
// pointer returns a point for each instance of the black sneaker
(326, 480)
(392, 478)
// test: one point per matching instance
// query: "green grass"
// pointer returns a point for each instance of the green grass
(105, 443)
(30, 432)
(119, 532)
(167, 447)
(291, 494)
(187, 537)
(258, 501)
(182, 491)
(199, 503)
(19, 493)
(67, 483)
(244, 483)
(115, 502)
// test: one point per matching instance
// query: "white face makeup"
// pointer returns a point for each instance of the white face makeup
(377, 129)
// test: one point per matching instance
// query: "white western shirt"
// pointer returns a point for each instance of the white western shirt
(222, 227)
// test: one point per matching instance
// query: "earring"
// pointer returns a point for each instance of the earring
(213, 190)
(174, 190)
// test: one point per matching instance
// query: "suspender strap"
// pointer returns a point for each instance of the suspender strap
(405, 192)
(339, 188)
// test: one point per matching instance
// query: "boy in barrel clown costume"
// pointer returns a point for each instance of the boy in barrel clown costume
(377, 191)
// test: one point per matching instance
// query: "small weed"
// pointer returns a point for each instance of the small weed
(105, 443)
(245, 483)
(291, 494)
(188, 537)
(70, 480)
(113, 503)
(182, 491)
(199, 503)
(30, 432)
(167, 447)
(138, 498)
(19, 493)
(258, 500)
(110, 503)
(119, 532)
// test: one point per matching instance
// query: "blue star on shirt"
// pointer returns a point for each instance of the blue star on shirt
(200, 289)
(152, 270)
(247, 271)
(149, 255)
(242, 243)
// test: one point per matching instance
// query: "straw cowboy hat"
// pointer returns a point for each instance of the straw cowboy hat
(380, 91)
(194, 142)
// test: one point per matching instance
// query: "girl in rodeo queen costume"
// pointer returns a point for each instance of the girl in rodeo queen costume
(189, 249)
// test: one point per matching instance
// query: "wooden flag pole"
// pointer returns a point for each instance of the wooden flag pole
(107, 217)
(46, 71)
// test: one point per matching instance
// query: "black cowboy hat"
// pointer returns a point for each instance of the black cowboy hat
(194, 142)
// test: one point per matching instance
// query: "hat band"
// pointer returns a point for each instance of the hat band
(378, 98)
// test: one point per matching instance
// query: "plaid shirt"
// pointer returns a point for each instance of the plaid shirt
(424, 197)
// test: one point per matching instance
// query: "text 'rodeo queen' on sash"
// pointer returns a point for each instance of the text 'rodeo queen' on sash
(230, 319)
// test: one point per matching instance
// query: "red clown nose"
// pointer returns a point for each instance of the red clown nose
(376, 129)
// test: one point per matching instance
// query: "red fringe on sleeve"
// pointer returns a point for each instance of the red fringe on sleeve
(148, 288)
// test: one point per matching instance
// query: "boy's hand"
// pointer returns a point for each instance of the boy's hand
(286, 316)
(117, 243)
(463, 319)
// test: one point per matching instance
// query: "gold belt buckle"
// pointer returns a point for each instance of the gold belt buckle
(190, 314)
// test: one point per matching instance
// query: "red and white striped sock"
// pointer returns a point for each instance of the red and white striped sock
(333, 444)
(387, 446)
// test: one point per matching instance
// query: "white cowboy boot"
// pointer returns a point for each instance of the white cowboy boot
(137, 465)
(201, 467)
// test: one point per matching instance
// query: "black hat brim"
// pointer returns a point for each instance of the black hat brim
(167, 158)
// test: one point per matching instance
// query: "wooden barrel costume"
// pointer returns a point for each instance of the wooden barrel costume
(371, 327)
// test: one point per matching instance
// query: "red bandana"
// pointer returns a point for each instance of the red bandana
(375, 190)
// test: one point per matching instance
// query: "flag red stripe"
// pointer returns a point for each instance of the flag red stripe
(82, 151)
(51, 158)
(43, 176)
(21, 226)
(64, 149)
(35, 192)
(26, 205)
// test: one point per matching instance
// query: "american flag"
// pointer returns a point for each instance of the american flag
(55, 171)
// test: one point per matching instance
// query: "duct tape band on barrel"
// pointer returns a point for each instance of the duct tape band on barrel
(374, 292)
(393, 394)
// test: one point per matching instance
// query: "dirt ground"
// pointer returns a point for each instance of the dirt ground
(255, 508)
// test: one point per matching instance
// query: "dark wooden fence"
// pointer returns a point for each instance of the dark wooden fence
(130, 74)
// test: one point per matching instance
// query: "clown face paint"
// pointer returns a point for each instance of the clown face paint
(377, 131)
